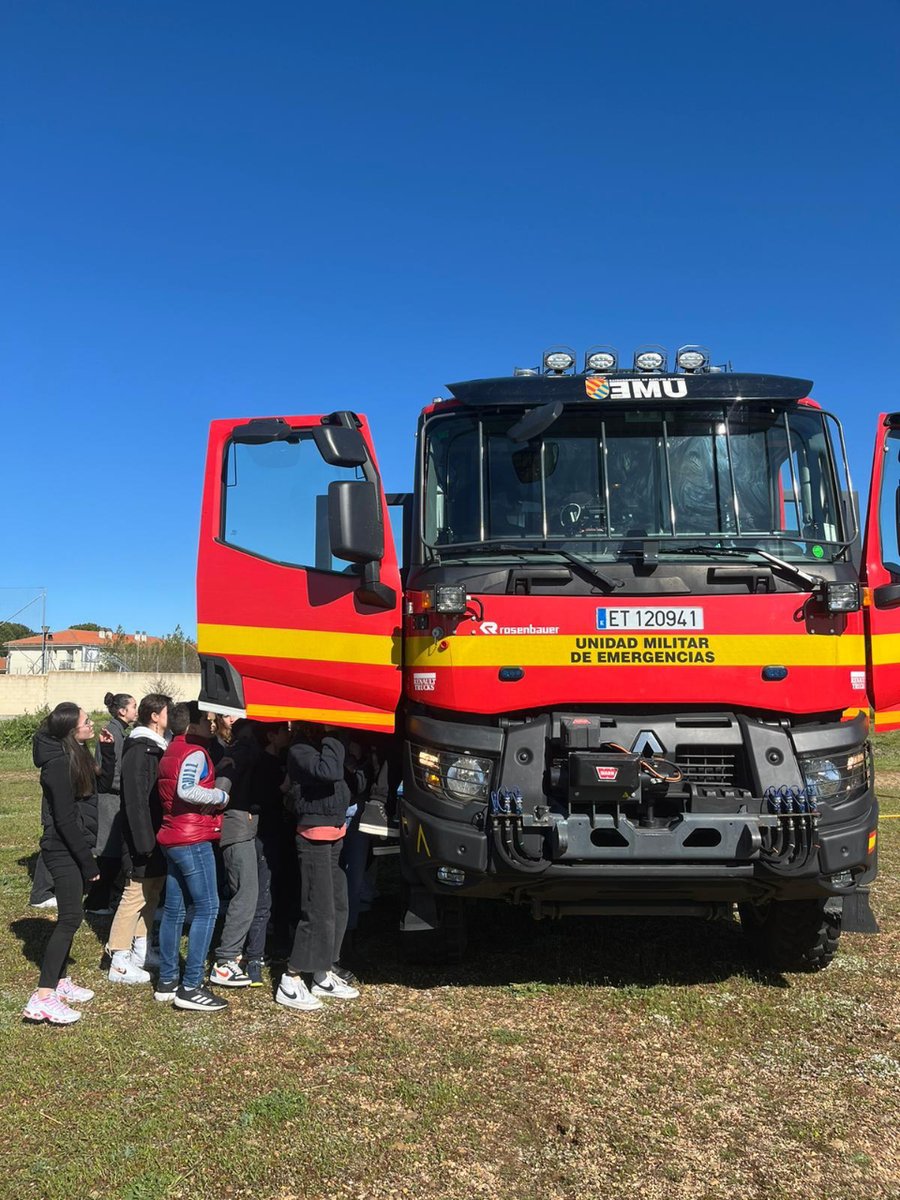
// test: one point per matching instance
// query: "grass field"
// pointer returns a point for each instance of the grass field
(581, 1059)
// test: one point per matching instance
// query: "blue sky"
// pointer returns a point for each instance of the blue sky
(225, 209)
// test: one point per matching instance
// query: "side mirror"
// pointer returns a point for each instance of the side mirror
(887, 596)
(340, 446)
(356, 533)
(355, 530)
(535, 422)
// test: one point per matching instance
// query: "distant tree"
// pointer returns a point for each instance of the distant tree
(116, 653)
(11, 631)
(172, 654)
(89, 625)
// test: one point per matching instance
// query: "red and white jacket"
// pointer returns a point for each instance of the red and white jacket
(191, 803)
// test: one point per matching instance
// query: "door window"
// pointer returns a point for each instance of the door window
(276, 502)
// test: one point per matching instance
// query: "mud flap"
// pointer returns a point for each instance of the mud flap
(856, 913)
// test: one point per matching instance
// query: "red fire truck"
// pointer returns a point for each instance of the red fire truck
(630, 659)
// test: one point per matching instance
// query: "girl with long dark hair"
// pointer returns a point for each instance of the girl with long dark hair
(69, 783)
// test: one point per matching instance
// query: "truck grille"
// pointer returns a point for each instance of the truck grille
(707, 767)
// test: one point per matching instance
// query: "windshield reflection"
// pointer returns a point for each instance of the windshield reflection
(753, 474)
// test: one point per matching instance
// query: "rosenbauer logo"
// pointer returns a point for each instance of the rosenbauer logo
(491, 628)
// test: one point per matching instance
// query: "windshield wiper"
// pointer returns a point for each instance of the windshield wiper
(585, 565)
(789, 570)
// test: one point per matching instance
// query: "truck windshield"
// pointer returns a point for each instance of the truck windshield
(751, 474)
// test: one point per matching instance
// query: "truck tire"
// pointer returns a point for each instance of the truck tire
(791, 935)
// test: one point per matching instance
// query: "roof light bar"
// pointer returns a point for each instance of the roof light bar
(692, 358)
(558, 360)
(600, 358)
(650, 359)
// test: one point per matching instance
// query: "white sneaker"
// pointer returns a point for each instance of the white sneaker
(125, 970)
(143, 954)
(331, 985)
(72, 993)
(229, 974)
(293, 993)
(50, 902)
(50, 1009)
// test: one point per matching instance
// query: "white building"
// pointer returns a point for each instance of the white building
(72, 650)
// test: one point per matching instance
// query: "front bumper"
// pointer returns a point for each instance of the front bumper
(717, 848)
(708, 857)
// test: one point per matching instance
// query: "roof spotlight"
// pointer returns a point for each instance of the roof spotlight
(650, 358)
(692, 358)
(601, 358)
(558, 360)
(519, 371)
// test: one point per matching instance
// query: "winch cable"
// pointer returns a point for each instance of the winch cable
(646, 764)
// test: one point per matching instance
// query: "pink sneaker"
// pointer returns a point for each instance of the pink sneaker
(51, 1009)
(72, 993)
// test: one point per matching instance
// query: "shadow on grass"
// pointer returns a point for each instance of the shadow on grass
(34, 933)
(508, 948)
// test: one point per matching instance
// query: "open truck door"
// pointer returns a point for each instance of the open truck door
(881, 567)
(298, 586)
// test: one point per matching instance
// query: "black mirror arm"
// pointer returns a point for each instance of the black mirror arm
(373, 591)
(886, 596)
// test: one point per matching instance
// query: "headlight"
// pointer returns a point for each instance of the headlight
(469, 777)
(453, 775)
(836, 777)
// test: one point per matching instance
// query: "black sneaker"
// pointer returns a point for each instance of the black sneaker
(198, 999)
(375, 821)
(165, 990)
(255, 970)
(344, 973)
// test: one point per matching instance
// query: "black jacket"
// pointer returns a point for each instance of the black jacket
(241, 819)
(70, 821)
(319, 792)
(266, 780)
(141, 808)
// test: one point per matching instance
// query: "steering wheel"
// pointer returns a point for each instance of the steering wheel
(589, 517)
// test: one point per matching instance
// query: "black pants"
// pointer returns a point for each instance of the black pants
(68, 885)
(323, 906)
(42, 884)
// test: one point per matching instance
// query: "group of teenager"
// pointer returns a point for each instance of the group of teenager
(204, 808)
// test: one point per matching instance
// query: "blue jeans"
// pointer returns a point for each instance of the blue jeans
(191, 880)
